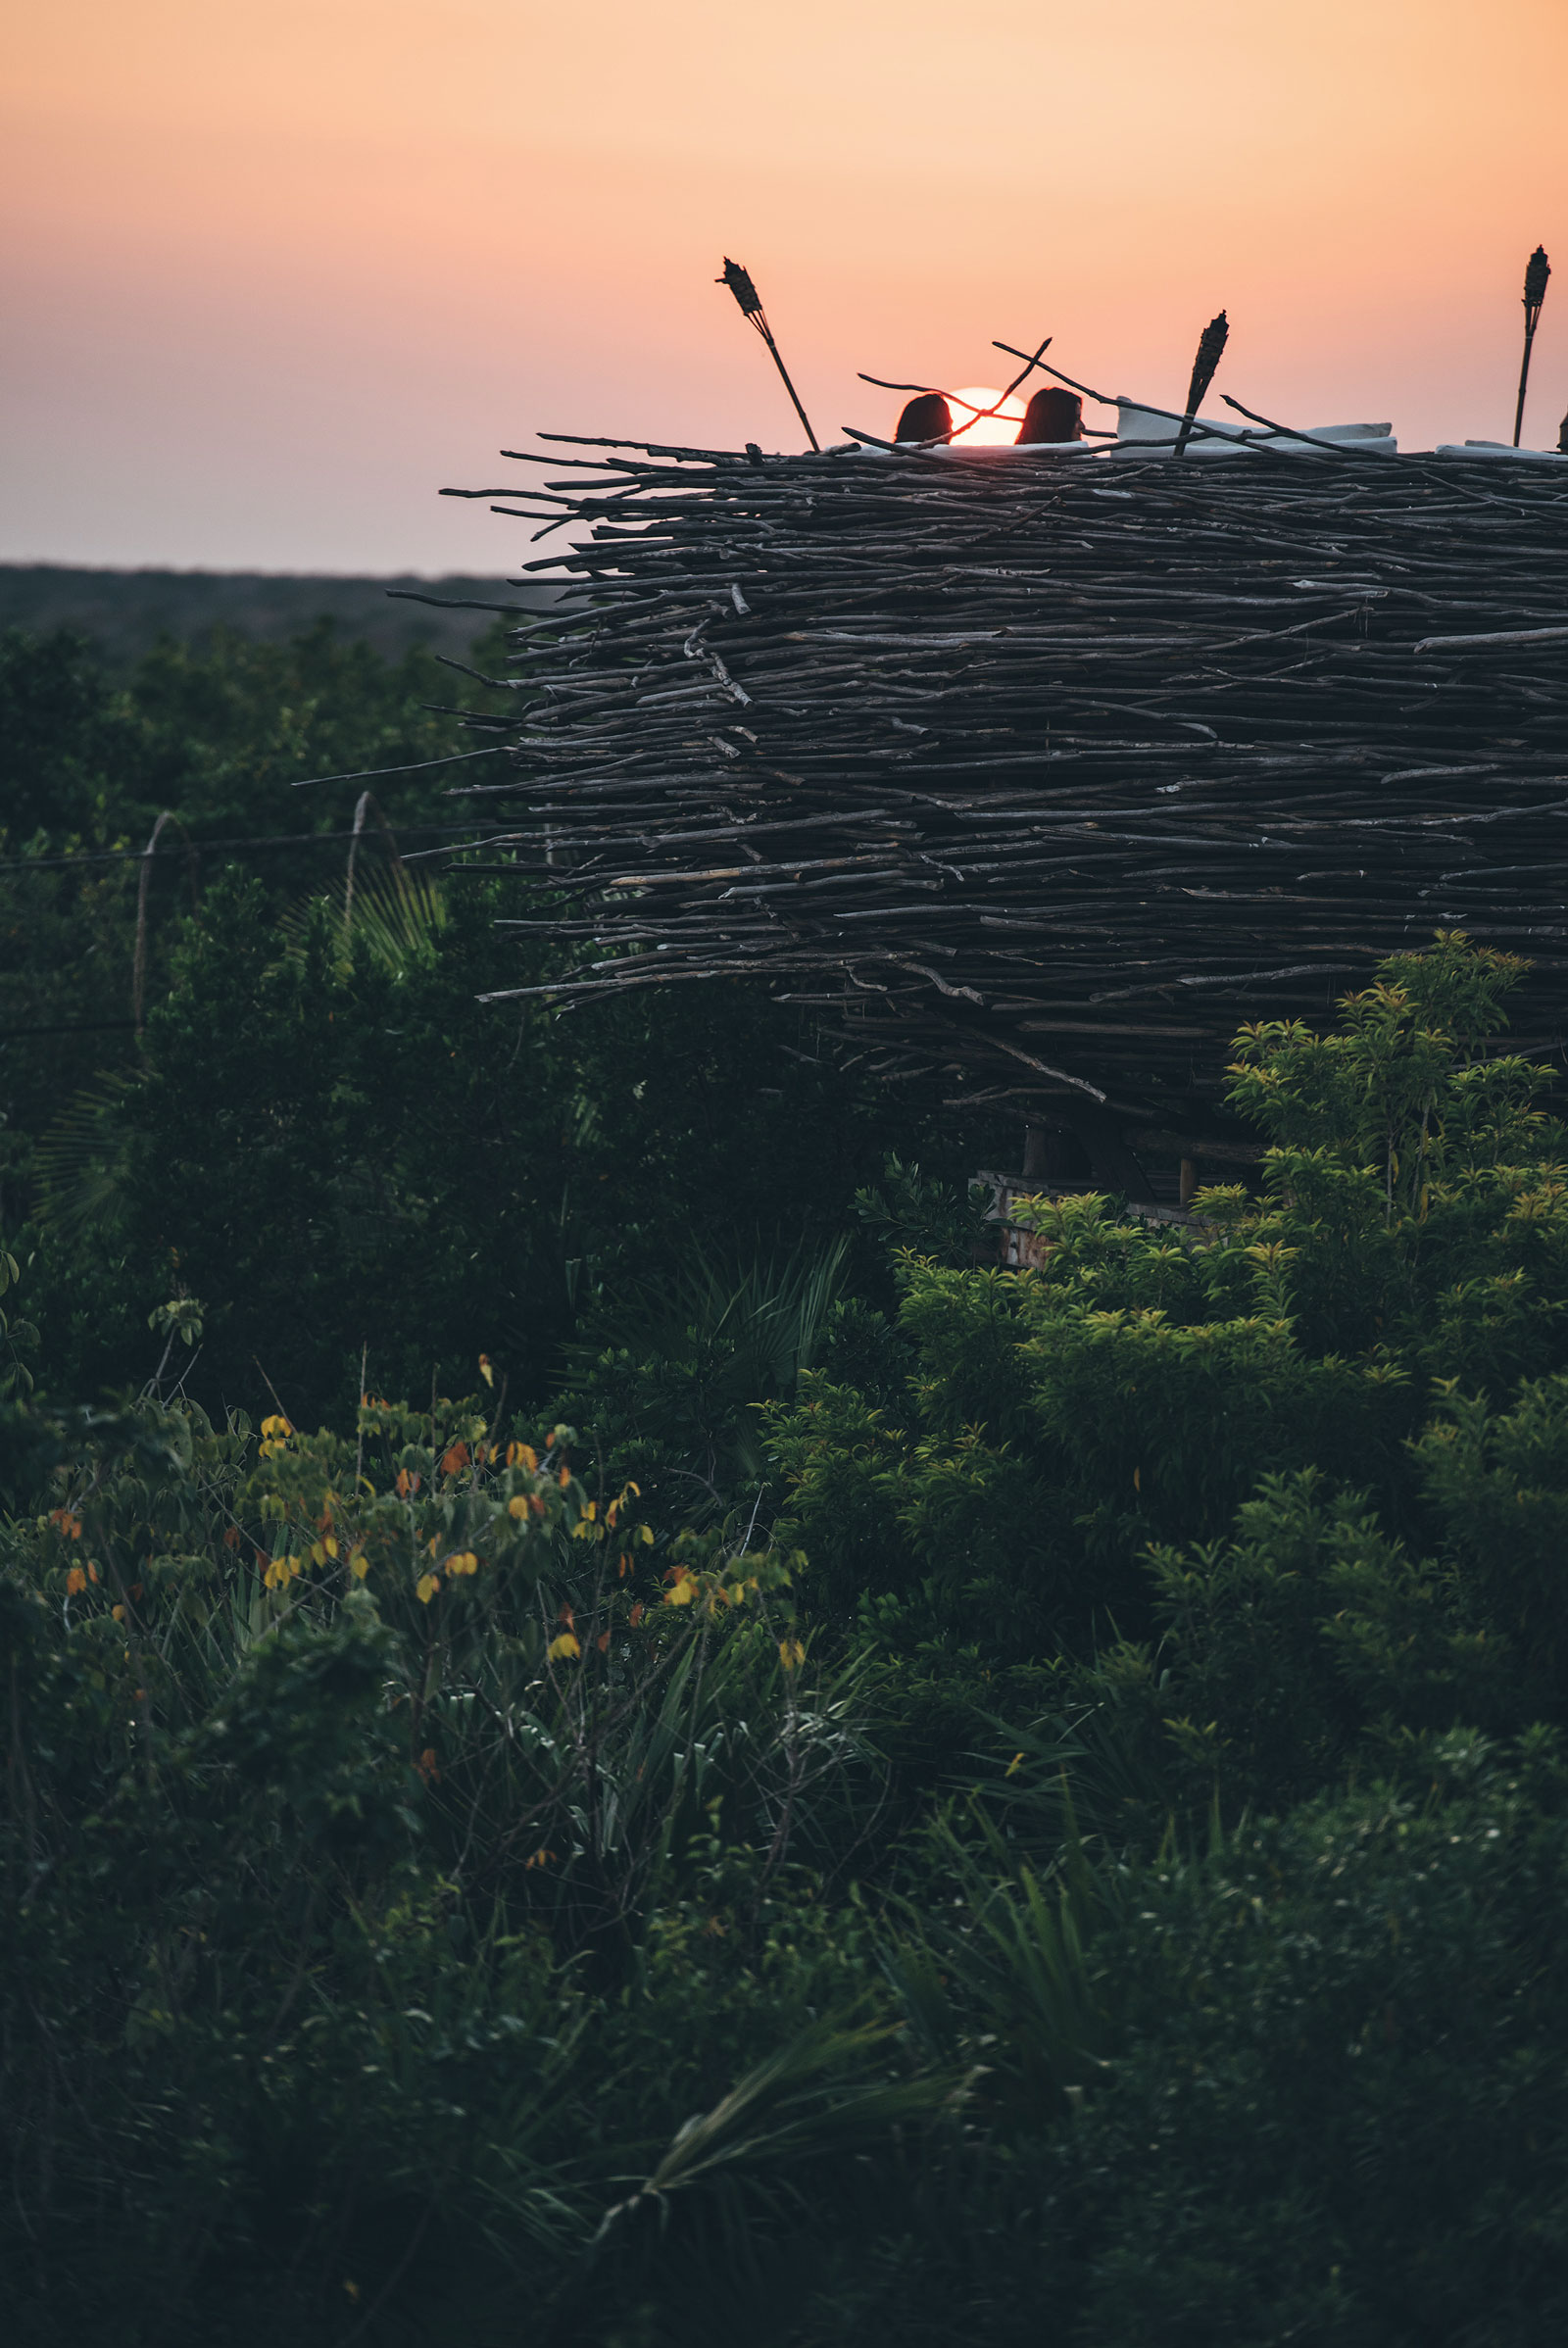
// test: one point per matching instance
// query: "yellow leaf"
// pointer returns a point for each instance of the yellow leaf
(791, 1653)
(1014, 1766)
(1137, 1479)
(485, 1371)
(425, 1589)
(682, 1593)
(464, 1562)
(359, 1564)
(645, 1534)
(563, 1646)
(517, 1505)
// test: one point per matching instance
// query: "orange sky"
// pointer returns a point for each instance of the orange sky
(275, 270)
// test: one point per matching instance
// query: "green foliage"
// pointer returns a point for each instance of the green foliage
(673, 1397)
(212, 741)
(1134, 1386)
(964, 1799)
(354, 1782)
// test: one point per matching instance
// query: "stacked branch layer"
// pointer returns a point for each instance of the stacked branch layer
(1045, 774)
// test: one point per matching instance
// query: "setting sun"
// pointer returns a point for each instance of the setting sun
(993, 431)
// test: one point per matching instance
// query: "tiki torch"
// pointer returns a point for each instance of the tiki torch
(751, 301)
(1537, 268)
(1210, 347)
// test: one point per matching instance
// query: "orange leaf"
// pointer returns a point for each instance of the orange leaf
(75, 1581)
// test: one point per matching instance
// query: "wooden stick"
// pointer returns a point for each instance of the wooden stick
(1211, 350)
(1537, 268)
(750, 305)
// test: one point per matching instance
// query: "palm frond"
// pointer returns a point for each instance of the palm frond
(81, 1159)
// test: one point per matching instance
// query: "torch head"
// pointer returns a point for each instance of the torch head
(1537, 268)
(740, 285)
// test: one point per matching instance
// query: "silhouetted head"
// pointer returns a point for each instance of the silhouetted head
(929, 418)
(1052, 415)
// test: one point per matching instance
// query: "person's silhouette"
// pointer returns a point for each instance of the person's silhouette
(1052, 414)
(929, 418)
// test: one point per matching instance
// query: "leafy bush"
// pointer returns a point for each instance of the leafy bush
(1132, 1390)
(1048, 1801)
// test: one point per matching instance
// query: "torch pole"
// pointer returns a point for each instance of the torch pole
(1537, 268)
(750, 307)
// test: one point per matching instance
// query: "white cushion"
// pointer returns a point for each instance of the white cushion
(1502, 448)
(1143, 428)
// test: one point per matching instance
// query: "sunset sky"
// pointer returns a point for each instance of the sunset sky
(276, 269)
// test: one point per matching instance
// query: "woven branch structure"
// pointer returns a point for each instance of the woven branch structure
(1047, 770)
